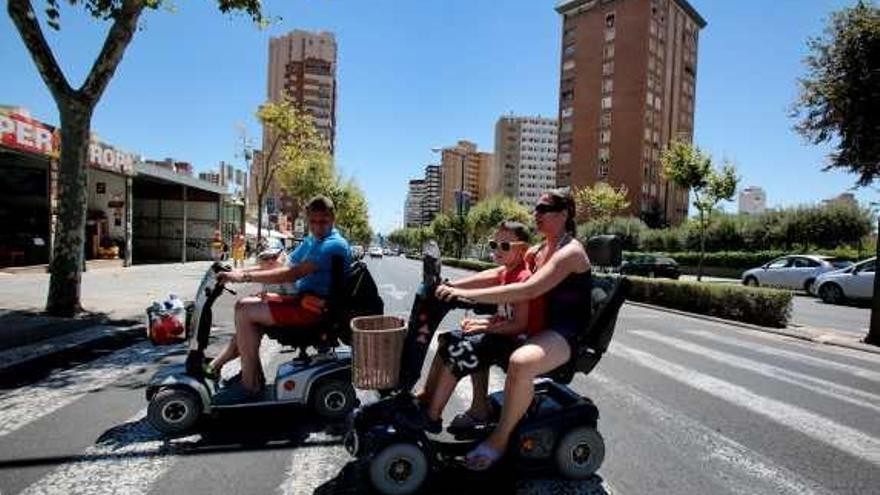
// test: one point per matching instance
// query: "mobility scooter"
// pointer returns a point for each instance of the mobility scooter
(179, 395)
(558, 433)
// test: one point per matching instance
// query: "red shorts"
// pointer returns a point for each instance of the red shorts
(290, 310)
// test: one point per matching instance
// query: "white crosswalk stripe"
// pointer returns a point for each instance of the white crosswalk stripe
(822, 429)
(27, 404)
(823, 387)
(740, 466)
(803, 357)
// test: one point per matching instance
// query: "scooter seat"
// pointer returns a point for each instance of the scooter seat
(322, 334)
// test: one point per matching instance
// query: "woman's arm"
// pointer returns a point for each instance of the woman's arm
(485, 278)
(567, 260)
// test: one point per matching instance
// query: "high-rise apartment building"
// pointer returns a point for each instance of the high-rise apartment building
(432, 192)
(752, 200)
(302, 67)
(627, 88)
(467, 176)
(525, 149)
(415, 197)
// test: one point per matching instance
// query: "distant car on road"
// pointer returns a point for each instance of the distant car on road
(854, 282)
(386, 252)
(796, 272)
(649, 265)
(375, 252)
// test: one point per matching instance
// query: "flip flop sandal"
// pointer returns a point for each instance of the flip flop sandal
(482, 458)
(466, 421)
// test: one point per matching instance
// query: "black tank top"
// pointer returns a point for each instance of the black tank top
(569, 304)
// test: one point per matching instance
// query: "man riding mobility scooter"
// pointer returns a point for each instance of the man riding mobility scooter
(558, 431)
(179, 395)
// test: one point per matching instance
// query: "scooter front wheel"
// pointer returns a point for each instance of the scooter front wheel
(580, 453)
(398, 469)
(173, 411)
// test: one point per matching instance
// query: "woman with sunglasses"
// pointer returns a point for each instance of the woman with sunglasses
(561, 275)
(482, 342)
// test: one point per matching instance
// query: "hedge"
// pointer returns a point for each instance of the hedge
(760, 306)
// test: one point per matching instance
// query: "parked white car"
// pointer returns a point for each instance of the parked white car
(796, 272)
(855, 282)
(375, 252)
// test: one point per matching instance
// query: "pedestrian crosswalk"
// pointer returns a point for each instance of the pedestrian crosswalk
(637, 415)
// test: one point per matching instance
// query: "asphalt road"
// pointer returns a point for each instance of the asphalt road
(812, 312)
(688, 407)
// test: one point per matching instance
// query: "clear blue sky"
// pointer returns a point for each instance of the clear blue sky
(417, 74)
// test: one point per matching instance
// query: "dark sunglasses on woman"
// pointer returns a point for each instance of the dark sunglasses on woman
(504, 245)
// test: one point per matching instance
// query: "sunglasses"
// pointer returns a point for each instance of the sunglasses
(504, 245)
(545, 208)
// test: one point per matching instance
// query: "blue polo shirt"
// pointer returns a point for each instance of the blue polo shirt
(320, 252)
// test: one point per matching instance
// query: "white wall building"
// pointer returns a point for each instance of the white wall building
(525, 148)
(413, 207)
(752, 200)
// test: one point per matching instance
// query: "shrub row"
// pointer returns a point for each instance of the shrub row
(760, 306)
(475, 265)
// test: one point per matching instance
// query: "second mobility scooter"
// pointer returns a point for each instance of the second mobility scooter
(559, 431)
(179, 395)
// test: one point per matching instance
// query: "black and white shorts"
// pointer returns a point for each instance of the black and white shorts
(466, 354)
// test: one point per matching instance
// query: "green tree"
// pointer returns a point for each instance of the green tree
(352, 215)
(839, 102)
(691, 168)
(292, 143)
(447, 230)
(485, 216)
(601, 202)
(75, 108)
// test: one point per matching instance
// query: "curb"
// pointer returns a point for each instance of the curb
(810, 334)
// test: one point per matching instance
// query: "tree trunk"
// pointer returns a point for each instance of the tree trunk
(873, 336)
(68, 254)
(259, 219)
(702, 248)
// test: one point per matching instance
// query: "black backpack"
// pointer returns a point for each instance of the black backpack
(360, 296)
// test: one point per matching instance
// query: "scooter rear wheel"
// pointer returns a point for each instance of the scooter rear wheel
(580, 453)
(398, 469)
(173, 411)
(333, 399)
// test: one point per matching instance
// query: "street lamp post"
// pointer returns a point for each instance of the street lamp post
(461, 229)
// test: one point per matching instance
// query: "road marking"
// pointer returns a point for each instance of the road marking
(20, 354)
(127, 459)
(724, 458)
(27, 404)
(393, 291)
(846, 439)
(796, 356)
(824, 387)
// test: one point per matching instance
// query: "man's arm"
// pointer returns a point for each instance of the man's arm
(270, 276)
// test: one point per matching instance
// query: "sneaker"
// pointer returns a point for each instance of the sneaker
(236, 393)
(418, 420)
(467, 421)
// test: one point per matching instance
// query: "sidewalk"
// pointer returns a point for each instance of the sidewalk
(115, 299)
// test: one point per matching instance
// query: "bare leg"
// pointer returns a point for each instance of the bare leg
(480, 401)
(229, 353)
(431, 382)
(442, 391)
(540, 354)
(249, 313)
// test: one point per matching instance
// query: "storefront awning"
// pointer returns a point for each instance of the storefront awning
(251, 231)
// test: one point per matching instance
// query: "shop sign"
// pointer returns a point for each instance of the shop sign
(26, 134)
(106, 157)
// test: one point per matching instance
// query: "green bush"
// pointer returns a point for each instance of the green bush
(766, 307)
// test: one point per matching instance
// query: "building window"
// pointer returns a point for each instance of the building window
(647, 134)
(607, 85)
(657, 103)
(568, 65)
(604, 154)
(567, 112)
(608, 51)
(609, 21)
(608, 68)
(609, 34)
(606, 103)
(605, 136)
(605, 119)
(565, 158)
(569, 51)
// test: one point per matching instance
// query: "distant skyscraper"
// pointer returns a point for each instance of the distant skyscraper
(431, 198)
(525, 149)
(302, 67)
(752, 200)
(480, 178)
(627, 88)
(414, 201)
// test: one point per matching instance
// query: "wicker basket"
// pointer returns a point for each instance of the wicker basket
(377, 342)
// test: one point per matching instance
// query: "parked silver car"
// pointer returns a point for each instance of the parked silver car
(855, 282)
(796, 272)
